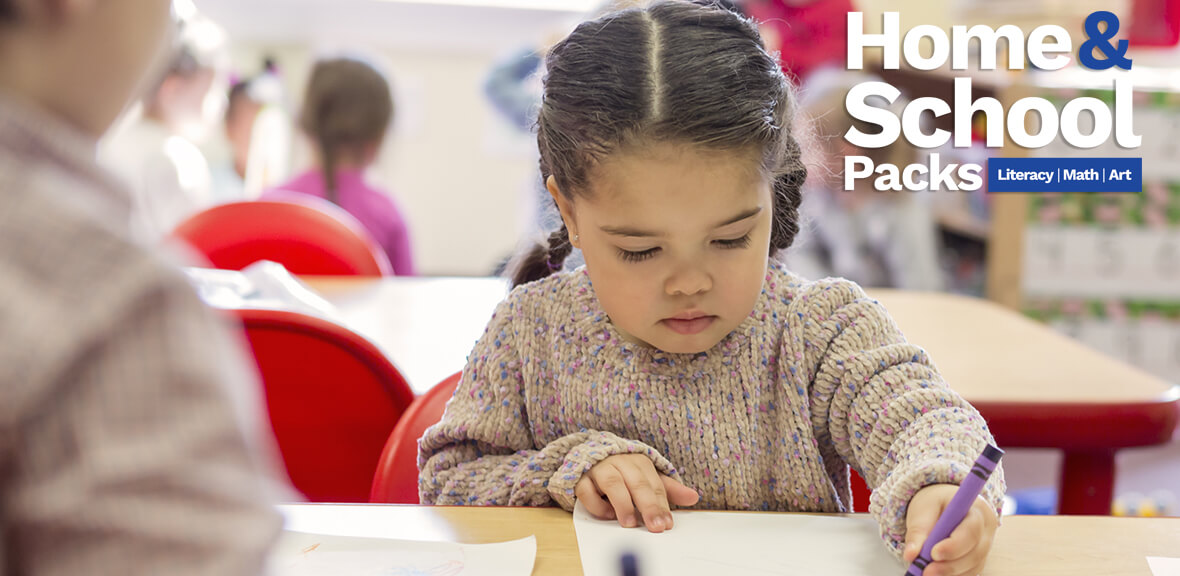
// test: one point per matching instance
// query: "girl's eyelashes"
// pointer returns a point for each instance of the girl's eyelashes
(640, 256)
(742, 242)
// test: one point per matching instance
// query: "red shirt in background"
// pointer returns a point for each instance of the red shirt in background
(808, 34)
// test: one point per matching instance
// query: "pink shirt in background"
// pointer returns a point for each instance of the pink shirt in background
(374, 208)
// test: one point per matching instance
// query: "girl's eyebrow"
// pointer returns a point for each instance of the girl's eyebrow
(742, 216)
(629, 232)
(632, 232)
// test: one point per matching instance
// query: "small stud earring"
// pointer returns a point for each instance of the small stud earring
(576, 237)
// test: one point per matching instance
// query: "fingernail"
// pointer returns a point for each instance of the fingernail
(610, 514)
(657, 524)
(668, 522)
(629, 522)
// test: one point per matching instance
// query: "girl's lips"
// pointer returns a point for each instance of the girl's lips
(690, 324)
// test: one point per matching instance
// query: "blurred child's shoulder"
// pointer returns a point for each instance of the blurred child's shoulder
(792, 290)
(70, 274)
(81, 256)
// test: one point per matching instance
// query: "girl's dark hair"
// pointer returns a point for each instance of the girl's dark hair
(728, 5)
(347, 105)
(676, 71)
(7, 11)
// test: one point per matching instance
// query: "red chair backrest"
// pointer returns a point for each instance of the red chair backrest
(860, 493)
(396, 481)
(307, 235)
(332, 396)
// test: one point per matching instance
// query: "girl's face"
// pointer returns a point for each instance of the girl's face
(676, 240)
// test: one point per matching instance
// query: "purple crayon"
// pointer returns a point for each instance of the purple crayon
(960, 504)
(630, 564)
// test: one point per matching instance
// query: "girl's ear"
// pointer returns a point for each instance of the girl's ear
(566, 209)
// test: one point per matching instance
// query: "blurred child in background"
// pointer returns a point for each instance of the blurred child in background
(347, 111)
(127, 411)
(156, 151)
(256, 155)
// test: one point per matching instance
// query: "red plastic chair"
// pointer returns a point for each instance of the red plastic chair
(332, 396)
(307, 235)
(860, 493)
(396, 481)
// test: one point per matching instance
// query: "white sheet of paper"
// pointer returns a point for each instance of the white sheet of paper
(1164, 566)
(711, 543)
(304, 554)
(263, 284)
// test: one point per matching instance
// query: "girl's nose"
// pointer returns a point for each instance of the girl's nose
(688, 280)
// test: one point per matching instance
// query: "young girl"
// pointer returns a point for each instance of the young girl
(156, 153)
(249, 105)
(347, 110)
(683, 366)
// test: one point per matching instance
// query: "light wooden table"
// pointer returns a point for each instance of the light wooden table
(1040, 389)
(1025, 545)
(1037, 388)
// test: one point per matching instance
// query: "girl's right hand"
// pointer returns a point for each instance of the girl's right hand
(627, 487)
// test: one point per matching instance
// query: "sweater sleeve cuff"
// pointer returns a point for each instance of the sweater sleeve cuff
(597, 447)
(890, 502)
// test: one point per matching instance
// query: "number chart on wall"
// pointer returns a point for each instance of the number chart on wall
(1105, 268)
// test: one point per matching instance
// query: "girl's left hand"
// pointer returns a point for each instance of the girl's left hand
(965, 551)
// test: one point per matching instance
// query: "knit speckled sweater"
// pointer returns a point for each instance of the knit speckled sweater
(817, 378)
